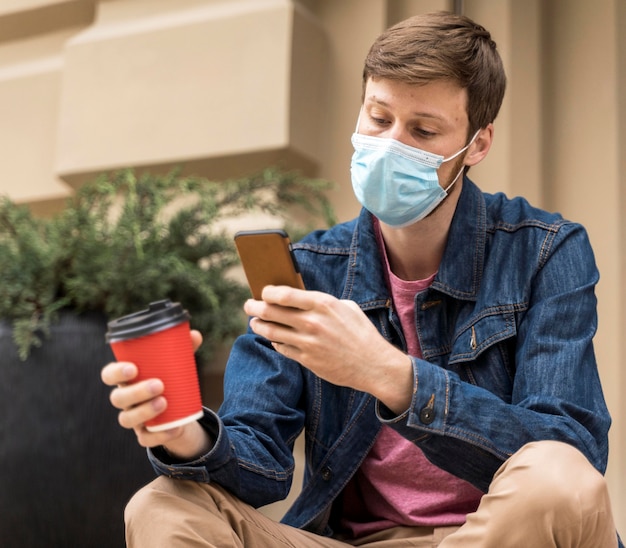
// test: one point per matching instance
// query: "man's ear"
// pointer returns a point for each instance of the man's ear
(480, 147)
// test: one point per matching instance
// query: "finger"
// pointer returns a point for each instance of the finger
(272, 313)
(154, 439)
(117, 373)
(125, 397)
(136, 417)
(286, 350)
(288, 296)
(271, 329)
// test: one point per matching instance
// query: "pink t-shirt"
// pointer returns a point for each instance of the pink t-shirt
(396, 484)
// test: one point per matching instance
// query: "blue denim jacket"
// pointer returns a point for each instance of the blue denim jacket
(506, 333)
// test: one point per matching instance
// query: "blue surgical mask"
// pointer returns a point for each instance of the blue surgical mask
(396, 182)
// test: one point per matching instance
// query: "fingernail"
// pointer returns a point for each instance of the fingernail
(155, 387)
(158, 404)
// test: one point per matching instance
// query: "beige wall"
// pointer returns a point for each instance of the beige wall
(226, 86)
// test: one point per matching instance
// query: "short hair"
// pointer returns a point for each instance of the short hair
(442, 46)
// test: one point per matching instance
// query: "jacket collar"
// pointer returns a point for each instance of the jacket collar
(461, 268)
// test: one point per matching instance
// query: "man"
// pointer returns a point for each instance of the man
(440, 362)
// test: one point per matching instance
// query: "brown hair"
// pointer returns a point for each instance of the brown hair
(442, 46)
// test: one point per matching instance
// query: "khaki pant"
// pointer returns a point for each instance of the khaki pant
(546, 495)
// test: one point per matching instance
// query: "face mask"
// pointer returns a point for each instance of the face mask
(396, 182)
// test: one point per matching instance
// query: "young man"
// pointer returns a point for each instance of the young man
(440, 362)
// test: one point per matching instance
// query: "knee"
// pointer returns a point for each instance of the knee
(556, 475)
(140, 503)
(158, 496)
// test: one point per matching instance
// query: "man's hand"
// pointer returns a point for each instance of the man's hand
(335, 340)
(139, 402)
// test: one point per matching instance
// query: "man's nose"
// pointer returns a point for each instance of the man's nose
(399, 133)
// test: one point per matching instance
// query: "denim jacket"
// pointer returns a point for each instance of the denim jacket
(506, 334)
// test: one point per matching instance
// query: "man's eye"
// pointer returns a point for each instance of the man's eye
(424, 133)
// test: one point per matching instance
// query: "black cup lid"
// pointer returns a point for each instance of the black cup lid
(158, 316)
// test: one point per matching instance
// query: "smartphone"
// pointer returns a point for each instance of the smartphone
(267, 259)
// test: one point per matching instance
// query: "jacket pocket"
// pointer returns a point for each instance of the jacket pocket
(483, 352)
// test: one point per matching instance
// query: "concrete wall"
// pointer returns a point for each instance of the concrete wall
(227, 86)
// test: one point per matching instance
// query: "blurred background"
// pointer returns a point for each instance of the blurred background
(225, 87)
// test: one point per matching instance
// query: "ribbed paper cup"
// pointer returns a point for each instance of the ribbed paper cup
(158, 342)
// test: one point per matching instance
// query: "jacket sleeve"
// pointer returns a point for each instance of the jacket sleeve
(470, 429)
(254, 430)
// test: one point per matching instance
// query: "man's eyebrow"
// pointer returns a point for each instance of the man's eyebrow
(419, 114)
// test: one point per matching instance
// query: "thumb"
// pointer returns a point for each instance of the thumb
(196, 339)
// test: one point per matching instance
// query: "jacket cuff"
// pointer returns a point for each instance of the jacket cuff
(198, 469)
(429, 406)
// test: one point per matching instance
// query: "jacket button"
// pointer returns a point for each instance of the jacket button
(427, 415)
(327, 473)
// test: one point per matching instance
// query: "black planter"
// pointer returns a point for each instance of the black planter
(67, 468)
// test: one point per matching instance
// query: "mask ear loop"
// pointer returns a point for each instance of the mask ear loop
(454, 181)
(462, 167)
(358, 120)
(460, 151)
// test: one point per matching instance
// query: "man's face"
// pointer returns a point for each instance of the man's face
(431, 117)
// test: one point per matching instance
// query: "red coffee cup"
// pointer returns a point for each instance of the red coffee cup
(158, 342)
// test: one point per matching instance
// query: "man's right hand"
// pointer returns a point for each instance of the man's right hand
(139, 402)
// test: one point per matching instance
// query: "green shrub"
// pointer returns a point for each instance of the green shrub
(124, 240)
